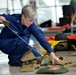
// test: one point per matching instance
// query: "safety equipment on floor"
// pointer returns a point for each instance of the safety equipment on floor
(59, 45)
(50, 70)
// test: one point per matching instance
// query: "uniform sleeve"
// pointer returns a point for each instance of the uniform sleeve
(38, 34)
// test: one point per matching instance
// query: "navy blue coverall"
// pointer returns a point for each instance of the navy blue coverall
(13, 45)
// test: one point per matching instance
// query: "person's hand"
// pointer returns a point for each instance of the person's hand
(54, 57)
(2, 19)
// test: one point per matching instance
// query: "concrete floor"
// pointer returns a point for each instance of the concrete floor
(5, 69)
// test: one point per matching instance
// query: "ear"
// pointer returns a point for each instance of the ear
(23, 16)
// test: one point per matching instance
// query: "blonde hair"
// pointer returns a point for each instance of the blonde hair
(28, 11)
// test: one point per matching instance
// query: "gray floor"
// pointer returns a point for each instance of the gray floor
(5, 69)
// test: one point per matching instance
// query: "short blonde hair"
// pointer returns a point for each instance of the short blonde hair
(28, 11)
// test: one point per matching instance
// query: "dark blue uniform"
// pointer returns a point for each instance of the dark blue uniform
(13, 45)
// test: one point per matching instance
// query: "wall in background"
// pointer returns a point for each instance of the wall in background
(51, 9)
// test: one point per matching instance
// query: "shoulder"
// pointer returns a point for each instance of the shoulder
(16, 15)
(11, 16)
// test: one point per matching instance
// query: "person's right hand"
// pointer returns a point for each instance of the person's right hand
(54, 57)
(2, 19)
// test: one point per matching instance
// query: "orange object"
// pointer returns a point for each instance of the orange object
(70, 37)
(59, 27)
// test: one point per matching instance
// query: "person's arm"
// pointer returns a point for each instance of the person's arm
(38, 34)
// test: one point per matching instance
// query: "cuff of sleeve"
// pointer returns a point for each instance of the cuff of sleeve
(49, 51)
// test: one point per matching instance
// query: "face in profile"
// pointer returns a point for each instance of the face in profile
(26, 21)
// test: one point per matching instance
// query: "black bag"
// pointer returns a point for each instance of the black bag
(61, 36)
(46, 24)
